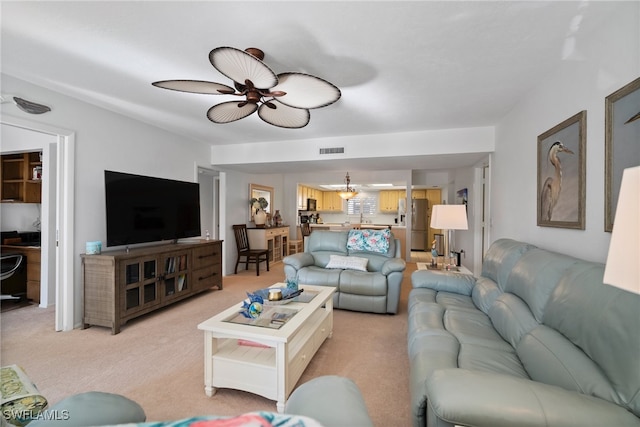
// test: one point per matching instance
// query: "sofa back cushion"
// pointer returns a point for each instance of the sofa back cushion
(604, 323)
(323, 243)
(500, 259)
(535, 275)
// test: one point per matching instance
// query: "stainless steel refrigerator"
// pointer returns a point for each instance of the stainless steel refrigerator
(419, 225)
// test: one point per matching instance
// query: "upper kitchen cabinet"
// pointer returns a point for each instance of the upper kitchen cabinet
(21, 178)
(305, 193)
(418, 194)
(389, 200)
(331, 202)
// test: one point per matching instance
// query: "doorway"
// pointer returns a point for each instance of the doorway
(57, 232)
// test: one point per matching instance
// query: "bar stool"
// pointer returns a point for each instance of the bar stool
(295, 246)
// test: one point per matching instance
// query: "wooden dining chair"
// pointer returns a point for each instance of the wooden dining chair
(251, 256)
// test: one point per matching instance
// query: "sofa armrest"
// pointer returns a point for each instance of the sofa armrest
(297, 261)
(331, 400)
(443, 282)
(393, 264)
(484, 399)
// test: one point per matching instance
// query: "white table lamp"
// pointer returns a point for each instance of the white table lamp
(449, 218)
(623, 262)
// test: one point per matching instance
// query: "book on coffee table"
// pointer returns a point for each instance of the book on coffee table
(271, 317)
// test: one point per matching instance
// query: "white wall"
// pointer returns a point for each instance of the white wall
(609, 61)
(105, 140)
(237, 208)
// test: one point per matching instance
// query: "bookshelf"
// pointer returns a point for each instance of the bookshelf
(18, 183)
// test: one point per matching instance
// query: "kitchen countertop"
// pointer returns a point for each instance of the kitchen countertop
(351, 225)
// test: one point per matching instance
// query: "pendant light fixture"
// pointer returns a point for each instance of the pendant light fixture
(349, 192)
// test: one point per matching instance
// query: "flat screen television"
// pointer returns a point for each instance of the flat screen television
(144, 209)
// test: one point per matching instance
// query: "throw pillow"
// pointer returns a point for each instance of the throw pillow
(369, 240)
(347, 262)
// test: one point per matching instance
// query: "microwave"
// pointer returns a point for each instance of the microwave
(311, 205)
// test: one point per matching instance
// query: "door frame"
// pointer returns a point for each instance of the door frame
(64, 232)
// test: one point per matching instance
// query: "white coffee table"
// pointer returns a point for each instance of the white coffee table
(274, 360)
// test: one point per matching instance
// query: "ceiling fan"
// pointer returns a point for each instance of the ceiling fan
(282, 100)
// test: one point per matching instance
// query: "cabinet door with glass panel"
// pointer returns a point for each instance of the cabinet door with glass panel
(174, 281)
(140, 284)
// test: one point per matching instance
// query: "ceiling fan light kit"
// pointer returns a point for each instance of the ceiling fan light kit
(282, 100)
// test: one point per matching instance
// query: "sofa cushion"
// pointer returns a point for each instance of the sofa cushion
(319, 276)
(550, 358)
(500, 259)
(443, 281)
(360, 283)
(535, 275)
(369, 240)
(347, 262)
(484, 293)
(604, 322)
(473, 398)
(512, 318)
(323, 243)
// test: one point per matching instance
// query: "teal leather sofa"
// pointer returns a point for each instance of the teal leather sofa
(536, 340)
(376, 290)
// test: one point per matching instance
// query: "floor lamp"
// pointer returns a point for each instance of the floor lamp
(622, 269)
(449, 218)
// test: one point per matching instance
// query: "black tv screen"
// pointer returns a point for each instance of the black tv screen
(144, 209)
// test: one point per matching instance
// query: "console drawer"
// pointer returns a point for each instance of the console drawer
(206, 255)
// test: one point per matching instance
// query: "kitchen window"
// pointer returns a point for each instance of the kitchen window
(362, 205)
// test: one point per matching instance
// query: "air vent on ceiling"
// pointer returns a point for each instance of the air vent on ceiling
(334, 150)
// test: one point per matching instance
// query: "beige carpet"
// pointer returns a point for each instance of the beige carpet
(157, 359)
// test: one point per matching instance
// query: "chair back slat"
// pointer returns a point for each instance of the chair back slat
(242, 239)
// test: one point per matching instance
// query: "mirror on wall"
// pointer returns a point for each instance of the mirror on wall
(257, 191)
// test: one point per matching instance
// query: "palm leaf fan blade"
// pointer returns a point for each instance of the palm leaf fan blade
(195, 86)
(284, 116)
(231, 111)
(239, 66)
(305, 91)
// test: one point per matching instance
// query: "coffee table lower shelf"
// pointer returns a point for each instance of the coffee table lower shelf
(275, 361)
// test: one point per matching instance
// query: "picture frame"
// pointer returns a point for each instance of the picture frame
(256, 191)
(561, 174)
(621, 142)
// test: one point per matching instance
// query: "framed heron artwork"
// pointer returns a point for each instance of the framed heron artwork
(621, 143)
(561, 174)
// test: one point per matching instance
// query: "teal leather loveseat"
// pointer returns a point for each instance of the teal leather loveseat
(536, 340)
(368, 278)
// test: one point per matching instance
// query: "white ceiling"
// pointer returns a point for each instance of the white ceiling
(401, 65)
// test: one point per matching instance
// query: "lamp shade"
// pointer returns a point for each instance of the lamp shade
(449, 217)
(623, 262)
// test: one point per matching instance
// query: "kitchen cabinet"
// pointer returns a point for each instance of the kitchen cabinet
(21, 178)
(418, 194)
(389, 199)
(332, 202)
(305, 193)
